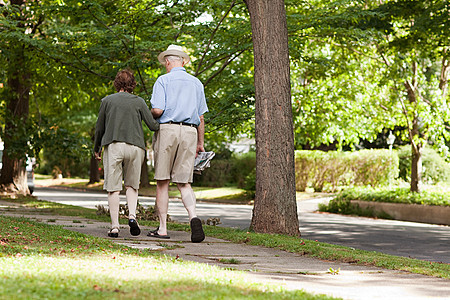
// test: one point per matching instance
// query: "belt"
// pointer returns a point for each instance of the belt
(182, 123)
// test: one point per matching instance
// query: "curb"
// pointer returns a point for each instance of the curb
(431, 214)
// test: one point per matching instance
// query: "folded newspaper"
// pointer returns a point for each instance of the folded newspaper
(202, 161)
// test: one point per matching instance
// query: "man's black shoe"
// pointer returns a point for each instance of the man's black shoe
(197, 234)
(134, 227)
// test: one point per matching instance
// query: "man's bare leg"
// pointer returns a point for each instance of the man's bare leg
(162, 202)
(188, 198)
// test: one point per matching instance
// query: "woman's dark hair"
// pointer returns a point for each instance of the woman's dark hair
(125, 81)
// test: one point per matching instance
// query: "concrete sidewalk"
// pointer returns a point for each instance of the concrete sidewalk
(263, 264)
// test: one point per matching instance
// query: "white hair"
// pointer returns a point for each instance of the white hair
(174, 58)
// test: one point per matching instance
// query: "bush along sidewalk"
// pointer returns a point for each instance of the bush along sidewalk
(344, 202)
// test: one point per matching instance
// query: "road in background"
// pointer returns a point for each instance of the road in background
(409, 239)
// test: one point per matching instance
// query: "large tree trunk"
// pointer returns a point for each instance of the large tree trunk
(13, 176)
(275, 209)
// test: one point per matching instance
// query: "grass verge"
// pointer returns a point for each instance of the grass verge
(40, 261)
(292, 244)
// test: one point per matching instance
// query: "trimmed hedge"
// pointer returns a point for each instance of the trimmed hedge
(327, 171)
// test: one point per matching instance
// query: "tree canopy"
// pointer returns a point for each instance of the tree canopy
(355, 66)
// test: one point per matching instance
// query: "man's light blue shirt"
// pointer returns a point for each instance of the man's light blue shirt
(181, 96)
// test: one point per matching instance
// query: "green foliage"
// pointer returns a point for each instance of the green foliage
(65, 150)
(391, 195)
(331, 170)
(74, 50)
(434, 167)
(345, 207)
(350, 61)
(236, 170)
(338, 97)
(250, 182)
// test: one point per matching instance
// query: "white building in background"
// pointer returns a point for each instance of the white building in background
(243, 145)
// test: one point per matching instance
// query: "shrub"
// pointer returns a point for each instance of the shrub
(250, 183)
(330, 170)
(374, 167)
(392, 195)
(434, 167)
(218, 174)
(232, 171)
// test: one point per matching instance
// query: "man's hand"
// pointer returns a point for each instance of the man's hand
(98, 155)
(200, 148)
(200, 136)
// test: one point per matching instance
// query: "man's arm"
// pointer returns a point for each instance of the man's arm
(200, 136)
(156, 112)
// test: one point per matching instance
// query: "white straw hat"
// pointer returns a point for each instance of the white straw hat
(174, 50)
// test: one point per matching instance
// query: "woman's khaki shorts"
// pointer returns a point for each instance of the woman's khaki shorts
(121, 160)
(174, 147)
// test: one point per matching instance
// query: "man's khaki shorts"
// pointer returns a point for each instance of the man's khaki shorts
(122, 160)
(174, 147)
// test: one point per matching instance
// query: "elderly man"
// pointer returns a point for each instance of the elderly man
(178, 104)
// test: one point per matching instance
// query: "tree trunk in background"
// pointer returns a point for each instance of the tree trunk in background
(275, 209)
(94, 172)
(13, 176)
(416, 141)
(145, 182)
(416, 158)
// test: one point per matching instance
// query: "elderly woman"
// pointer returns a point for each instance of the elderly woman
(119, 130)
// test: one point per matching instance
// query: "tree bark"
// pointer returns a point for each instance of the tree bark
(275, 209)
(145, 182)
(416, 169)
(416, 142)
(13, 176)
(416, 155)
(94, 172)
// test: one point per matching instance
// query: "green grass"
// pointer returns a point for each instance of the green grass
(229, 261)
(328, 251)
(291, 244)
(40, 261)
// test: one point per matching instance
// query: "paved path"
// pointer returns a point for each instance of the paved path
(409, 239)
(292, 271)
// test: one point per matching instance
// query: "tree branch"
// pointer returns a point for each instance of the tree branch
(358, 52)
(58, 60)
(225, 64)
(213, 34)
